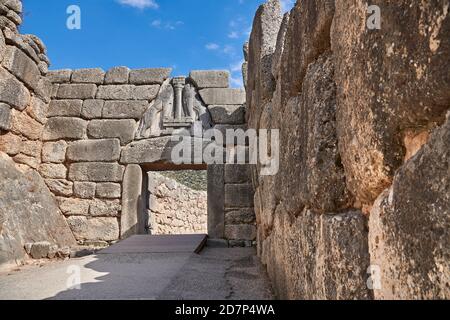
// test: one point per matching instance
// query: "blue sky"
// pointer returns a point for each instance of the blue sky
(182, 34)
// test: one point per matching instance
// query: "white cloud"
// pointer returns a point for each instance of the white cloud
(140, 4)
(212, 46)
(156, 23)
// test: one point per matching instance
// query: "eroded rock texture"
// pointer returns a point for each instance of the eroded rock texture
(355, 108)
(28, 213)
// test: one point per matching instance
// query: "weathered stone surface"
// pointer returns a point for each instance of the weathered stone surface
(76, 91)
(317, 256)
(38, 110)
(94, 150)
(40, 250)
(238, 195)
(5, 117)
(240, 216)
(409, 226)
(15, 5)
(121, 129)
(44, 89)
(216, 191)
(23, 67)
(88, 76)
(105, 229)
(31, 148)
(96, 172)
(279, 48)
(124, 109)
(53, 171)
(60, 187)
(73, 207)
(65, 108)
(2, 46)
(210, 78)
(237, 173)
(28, 213)
(104, 208)
(60, 76)
(314, 158)
(307, 37)
(108, 190)
(54, 152)
(10, 144)
(31, 162)
(131, 201)
(92, 109)
(399, 84)
(227, 114)
(12, 91)
(260, 83)
(240, 232)
(64, 128)
(149, 76)
(127, 92)
(23, 124)
(84, 190)
(174, 207)
(117, 75)
(220, 96)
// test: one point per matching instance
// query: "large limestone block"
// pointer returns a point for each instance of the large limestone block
(92, 108)
(64, 108)
(60, 187)
(38, 109)
(12, 91)
(260, 83)
(96, 172)
(25, 125)
(222, 96)
(54, 152)
(104, 208)
(215, 200)
(76, 91)
(127, 92)
(96, 76)
(53, 171)
(307, 37)
(94, 150)
(409, 226)
(121, 129)
(108, 190)
(210, 78)
(5, 117)
(227, 114)
(240, 216)
(117, 75)
(124, 109)
(309, 151)
(314, 256)
(103, 229)
(59, 76)
(389, 81)
(64, 128)
(240, 232)
(162, 150)
(239, 195)
(23, 67)
(131, 201)
(237, 173)
(73, 206)
(149, 76)
(28, 213)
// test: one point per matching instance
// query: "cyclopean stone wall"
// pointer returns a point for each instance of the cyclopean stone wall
(364, 174)
(175, 208)
(76, 145)
(28, 211)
